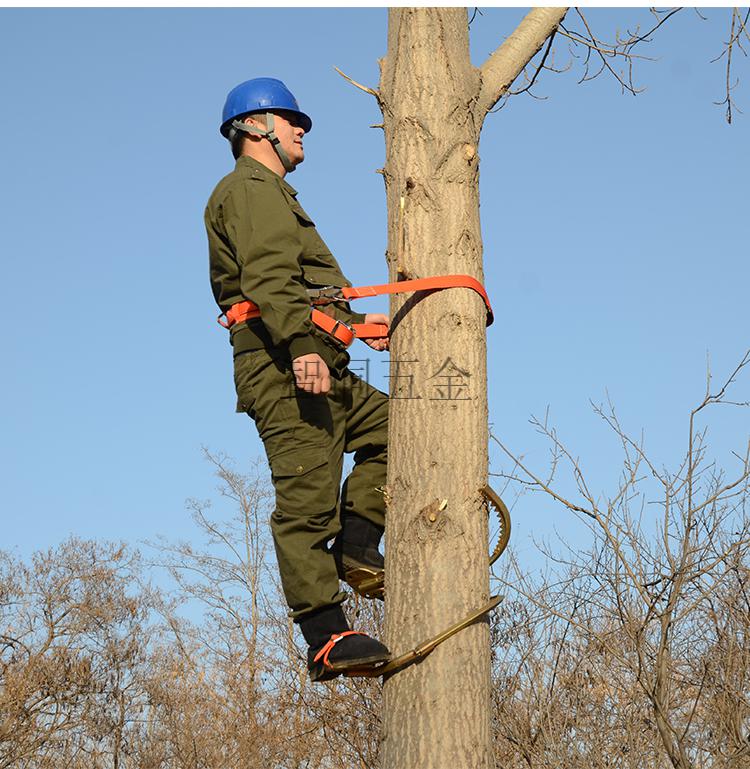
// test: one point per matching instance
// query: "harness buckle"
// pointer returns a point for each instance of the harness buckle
(325, 295)
(341, 331)
(348, 331)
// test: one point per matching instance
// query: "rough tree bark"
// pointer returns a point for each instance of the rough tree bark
(434, 102)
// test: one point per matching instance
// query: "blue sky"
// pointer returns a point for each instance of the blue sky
(615, 234)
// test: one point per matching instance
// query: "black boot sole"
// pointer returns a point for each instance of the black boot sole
(320, 672)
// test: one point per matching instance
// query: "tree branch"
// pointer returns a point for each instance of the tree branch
(509, 60)
(538, 69)
(734, 38)
(620, 50)
(361, 87)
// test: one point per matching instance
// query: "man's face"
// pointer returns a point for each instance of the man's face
(290, 133)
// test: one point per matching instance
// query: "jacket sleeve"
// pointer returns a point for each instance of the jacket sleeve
(342, 311)
(263, 232)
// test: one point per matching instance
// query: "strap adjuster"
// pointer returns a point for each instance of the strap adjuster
(326, 295)
(338, 329)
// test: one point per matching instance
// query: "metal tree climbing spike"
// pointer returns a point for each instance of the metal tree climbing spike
(374, 588)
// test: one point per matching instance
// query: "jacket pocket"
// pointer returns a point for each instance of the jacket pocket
(323, 276)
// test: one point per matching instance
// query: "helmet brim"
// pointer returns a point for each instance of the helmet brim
(304, 120)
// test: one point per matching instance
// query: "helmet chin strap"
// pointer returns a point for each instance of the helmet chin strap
(269, 134)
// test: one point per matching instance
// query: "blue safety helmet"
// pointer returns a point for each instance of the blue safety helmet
(261, 94)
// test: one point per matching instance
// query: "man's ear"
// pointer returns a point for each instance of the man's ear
(251, 120)
(254, 121)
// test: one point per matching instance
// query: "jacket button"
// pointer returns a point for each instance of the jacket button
(299, 469)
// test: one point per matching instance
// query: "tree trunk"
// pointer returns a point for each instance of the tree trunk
(436, 713)
(437, 563)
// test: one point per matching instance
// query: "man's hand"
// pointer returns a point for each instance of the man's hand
(377, 344)
(311, 374)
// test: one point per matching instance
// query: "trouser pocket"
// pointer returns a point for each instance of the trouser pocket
(303, 481)
(304, 520)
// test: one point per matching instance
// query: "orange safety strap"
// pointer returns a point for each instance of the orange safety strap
(345, 333)
(435, 283)
(370, 330)
(332, 641)
(238, 313)
(336, 328)
(242, 311)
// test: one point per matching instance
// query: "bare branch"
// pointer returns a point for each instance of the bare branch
(509, 60)
(474, 14)
(542, 485)
(735, 38)
(647, 36)
(620, 49)
(626, 85)
(361, 87)
(538, 69)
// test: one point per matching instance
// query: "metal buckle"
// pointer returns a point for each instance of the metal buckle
(351, 335)
(325, 295)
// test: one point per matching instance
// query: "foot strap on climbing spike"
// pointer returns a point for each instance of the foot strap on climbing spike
(322, 655)
(424, 648)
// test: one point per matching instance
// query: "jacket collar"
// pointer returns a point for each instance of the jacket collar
(263, 172)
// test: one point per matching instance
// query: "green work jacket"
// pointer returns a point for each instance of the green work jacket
(264, 247)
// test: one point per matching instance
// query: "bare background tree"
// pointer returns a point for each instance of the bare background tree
(650, 621)
(100, 670)
(74, 648)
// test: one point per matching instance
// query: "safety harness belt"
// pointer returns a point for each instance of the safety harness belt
(343, 332)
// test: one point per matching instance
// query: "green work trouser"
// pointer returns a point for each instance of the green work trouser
(305, 437)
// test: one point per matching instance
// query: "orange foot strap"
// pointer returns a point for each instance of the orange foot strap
(322, 655)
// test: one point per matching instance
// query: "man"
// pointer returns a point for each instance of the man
(292, 378)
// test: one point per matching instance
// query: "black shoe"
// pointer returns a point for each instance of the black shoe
(358, 560)
(345, 652)
(334, 649)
